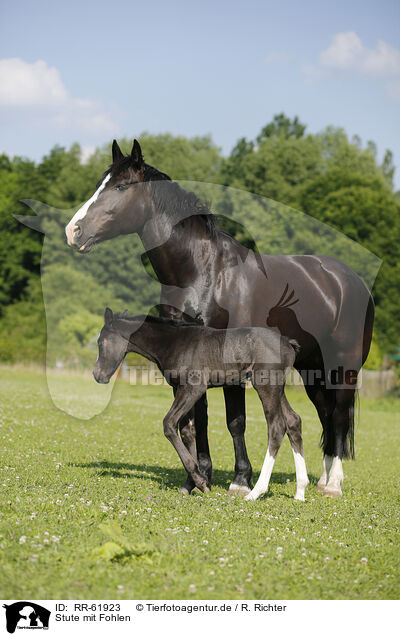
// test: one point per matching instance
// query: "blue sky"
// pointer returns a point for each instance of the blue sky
(88, 71)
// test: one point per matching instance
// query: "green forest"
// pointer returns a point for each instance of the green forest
(327, 176)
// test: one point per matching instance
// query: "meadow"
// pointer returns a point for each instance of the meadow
(92, 510)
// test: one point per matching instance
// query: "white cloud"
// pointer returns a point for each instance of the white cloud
(38, 88)
(87, 152)
(24, 84)
(384, 60)
(347, 52)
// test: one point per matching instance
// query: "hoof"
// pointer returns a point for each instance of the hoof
(299, 498)
(332, 492)
(235, 489)
(252, 496)
(184, 491)
(321, 487)
(202, 486)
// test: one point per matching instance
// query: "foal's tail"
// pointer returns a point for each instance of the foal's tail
(295, 345)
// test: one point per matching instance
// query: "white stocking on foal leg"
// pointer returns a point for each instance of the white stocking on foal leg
(301, 476)
(326, 467)
(262, 484)
(293, 428)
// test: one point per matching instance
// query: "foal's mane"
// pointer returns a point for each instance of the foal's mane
(157, 320)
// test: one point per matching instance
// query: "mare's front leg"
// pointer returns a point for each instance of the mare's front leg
(201, 426)
(186, 396)
(236, 421)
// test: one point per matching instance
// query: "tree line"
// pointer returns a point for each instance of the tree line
(329, 177)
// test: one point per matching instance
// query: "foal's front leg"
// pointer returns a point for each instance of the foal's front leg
(185, 398)
(188, 436)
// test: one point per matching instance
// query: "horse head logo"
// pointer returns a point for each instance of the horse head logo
(27, 615)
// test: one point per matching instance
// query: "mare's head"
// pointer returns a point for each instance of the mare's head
(112, 347)
(119, 203)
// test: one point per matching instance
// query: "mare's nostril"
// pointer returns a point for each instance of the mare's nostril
(77, 231)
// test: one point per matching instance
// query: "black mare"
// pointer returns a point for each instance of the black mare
(194, 358)
(204, 272)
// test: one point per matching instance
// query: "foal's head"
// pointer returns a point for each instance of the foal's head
(112, 347)
(119, 204)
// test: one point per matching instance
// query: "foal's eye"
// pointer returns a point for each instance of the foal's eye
(121, 187)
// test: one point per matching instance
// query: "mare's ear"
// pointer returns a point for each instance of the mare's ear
(125, 314)
(108, 317)
(116, 152)
(136, 154)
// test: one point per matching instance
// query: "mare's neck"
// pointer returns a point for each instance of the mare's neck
(178, 251)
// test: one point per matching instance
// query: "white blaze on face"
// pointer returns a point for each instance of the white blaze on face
(81, 213)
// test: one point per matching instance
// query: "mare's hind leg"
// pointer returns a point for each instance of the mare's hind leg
(324, 402)
(293, 429)
(337, 443)
(236, 422)
(336, 412)
(271, 401)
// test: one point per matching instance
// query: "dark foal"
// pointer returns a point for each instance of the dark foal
(193, 358)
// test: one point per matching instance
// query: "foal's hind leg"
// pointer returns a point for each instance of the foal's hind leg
(293, 429)
(271, 401)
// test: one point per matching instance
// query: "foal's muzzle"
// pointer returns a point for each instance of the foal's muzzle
(100, 377)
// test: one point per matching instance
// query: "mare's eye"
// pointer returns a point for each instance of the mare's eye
(121, 186)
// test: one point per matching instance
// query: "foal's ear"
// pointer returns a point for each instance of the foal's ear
(136, 154)
(117, 154)
(108, 317)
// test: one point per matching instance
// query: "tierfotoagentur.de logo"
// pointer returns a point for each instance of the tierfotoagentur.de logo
(26, 615)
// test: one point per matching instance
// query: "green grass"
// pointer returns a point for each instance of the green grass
(91, 509)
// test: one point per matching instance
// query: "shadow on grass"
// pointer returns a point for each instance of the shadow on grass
(172, 478)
